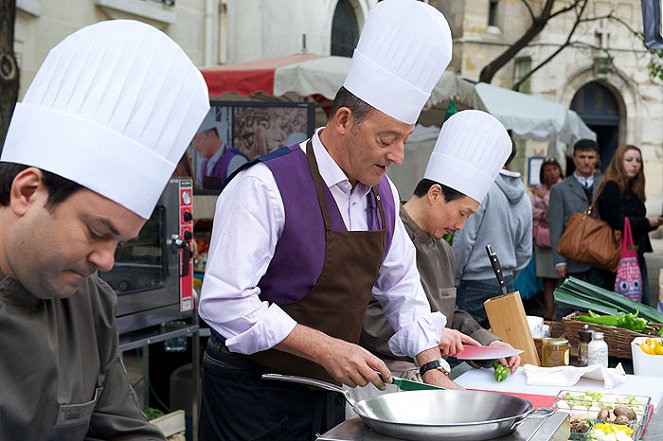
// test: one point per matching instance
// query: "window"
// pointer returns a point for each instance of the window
(345, 31)
(492, 13)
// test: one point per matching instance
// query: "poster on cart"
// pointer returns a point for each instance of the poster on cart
(233, 133)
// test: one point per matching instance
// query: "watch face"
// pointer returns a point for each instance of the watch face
(444, 365)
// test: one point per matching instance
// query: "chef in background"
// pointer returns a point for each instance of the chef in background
(302, 239)
(87, 154)
(470, 143)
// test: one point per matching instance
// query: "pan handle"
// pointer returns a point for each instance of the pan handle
(312, 382)
(541, 412)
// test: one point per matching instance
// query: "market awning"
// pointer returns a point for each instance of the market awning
(531, 117)
(311, 74)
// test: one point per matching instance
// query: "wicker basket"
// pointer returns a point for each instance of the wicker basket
(618, 339)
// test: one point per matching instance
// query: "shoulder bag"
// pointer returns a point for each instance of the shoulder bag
(628, 281)
(591, 241)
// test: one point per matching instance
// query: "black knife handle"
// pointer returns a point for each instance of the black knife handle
(497, 268)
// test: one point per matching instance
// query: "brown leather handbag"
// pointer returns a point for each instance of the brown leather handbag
(592, 241)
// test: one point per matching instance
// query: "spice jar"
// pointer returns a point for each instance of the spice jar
(584, 337)
(555, 352)
(597, 350)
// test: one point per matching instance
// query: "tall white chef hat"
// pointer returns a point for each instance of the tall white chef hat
(112, 108)
(403, 49)
(470, 151)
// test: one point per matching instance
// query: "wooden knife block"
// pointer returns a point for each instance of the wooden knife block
(508, 321)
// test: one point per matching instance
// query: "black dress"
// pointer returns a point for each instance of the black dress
(613, 206)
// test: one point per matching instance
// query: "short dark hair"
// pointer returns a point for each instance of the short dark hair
(59, 188)
(549, 161)
(360, 108)
(514, 150)
(449, 193)
(585, 144)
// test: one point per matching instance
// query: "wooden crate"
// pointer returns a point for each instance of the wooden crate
(618, 339)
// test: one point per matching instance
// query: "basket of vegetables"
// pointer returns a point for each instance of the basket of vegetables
(620, 319)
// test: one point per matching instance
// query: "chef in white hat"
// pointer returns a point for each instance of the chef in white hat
(470, 151)
(305, 236)
(88, 152)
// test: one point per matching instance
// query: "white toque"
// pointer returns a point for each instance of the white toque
(469, 153)
(403, 49)
(112, 108)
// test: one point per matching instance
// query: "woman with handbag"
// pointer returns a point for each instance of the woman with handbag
(622, 194)
(550, 174)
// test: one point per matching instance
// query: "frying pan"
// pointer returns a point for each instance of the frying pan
(439, 415)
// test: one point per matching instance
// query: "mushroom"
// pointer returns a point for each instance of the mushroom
(626, 412)
(604, 415)
(622, 419)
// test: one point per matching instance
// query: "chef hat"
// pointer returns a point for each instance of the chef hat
(113, 107)
(470, 151)
(403, 49)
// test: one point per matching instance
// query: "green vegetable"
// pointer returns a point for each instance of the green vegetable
(501, 371)
(578, 294)
(620, 320)
(660, 332)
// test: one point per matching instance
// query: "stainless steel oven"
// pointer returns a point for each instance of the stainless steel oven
(153, 274)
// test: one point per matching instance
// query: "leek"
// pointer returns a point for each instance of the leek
(578, 294)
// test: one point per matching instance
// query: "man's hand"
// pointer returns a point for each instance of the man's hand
(512, 362)
(561, 271)
(347, 363)
(451, 343)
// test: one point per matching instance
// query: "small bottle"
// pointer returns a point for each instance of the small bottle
(584, 337)
(597, 350)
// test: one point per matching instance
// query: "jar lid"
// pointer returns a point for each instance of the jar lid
(597, 334)
(585, 335)
(556, 341)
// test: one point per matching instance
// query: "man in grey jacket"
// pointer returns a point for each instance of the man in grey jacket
(574, 193)
(504, 221)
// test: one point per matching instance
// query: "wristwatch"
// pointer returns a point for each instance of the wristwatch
(439, 364)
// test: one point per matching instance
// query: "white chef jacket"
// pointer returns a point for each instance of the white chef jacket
(248, 222)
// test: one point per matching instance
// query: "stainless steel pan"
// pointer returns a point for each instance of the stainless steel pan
(439, 415)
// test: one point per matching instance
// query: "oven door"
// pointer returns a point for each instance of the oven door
(146, 273)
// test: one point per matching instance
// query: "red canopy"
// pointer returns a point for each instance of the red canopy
(248, 78)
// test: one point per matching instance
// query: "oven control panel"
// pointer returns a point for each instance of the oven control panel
(186, 251)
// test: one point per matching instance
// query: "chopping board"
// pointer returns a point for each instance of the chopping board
(483, 379)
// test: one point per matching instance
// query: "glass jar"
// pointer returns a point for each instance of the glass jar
(555, 352)
(597, 350)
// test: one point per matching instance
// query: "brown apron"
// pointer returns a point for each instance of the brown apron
(337, 303)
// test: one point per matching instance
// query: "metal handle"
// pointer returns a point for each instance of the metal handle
(312, 382)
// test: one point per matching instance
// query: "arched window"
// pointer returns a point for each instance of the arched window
(345, 31)
(598, 108)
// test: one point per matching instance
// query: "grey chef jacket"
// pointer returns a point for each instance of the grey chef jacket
(61, 375)
(435, 262)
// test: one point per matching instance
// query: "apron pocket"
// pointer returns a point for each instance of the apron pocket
(74, 419)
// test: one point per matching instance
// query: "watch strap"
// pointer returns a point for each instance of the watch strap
(439, 364)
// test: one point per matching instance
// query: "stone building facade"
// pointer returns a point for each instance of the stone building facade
(603, 75)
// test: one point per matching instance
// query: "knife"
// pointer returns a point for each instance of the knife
(409, 385)
(487, 352)
(497, 268)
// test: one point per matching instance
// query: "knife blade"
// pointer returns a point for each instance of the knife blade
(497, 268)
(471, 352)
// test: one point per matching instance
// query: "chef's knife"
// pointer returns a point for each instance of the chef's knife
(497, 268)
(409, 385)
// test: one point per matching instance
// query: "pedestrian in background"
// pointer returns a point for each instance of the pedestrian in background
(549, 175)
(622, 194)
(504, 221)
